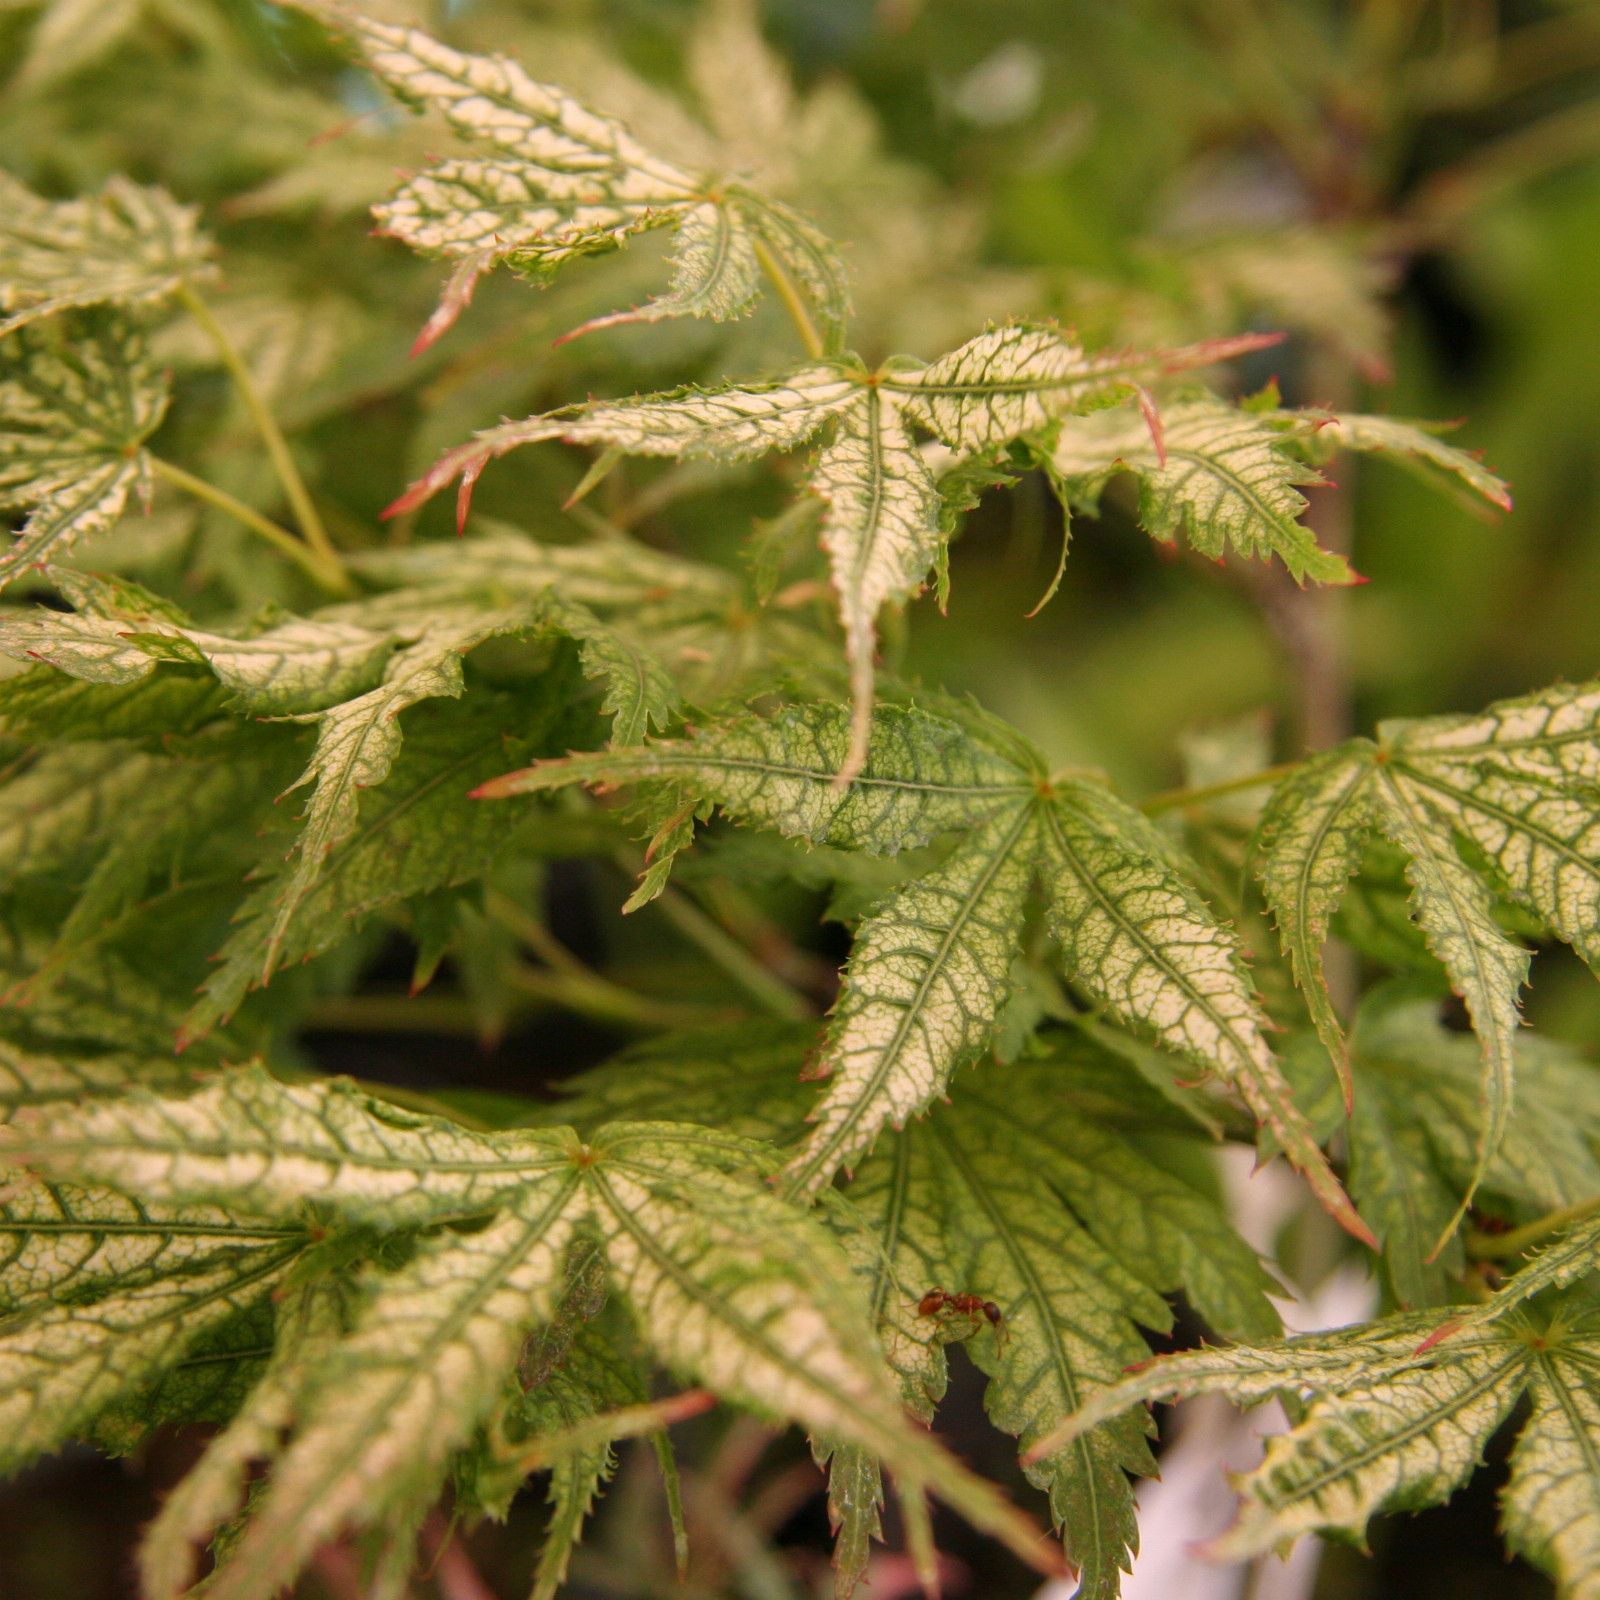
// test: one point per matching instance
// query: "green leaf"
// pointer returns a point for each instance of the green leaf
(741, 1077)
(418, 831)
(358, 740)
(566, 181)
(855, 1510)
(1516, 784)
(1416, 1126)
(47, 705)
(1021, 1192)
(923, 776)
(68, 35)
(125, 246)
(1224, 475)
(193, 817)
(101, 1292)
(590, 1381)
(1309, 845)
(1454, 908)
(295, 666)
(689, 617)
(125, 1000)
(60, 806)
(640, 694)
(78, 398)
(1393, 436)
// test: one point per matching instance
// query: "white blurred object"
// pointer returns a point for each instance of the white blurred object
(1004, 87)
(1191, 1501)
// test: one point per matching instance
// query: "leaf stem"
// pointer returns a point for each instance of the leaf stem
(768, 990)
(1502, 1246)
(1176, 799)
(305, 513)
(793, 300)
(590, 995)
(567, 981)
(332, 578)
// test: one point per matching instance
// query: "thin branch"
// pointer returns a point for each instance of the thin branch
(793, 301)
(1502, 1246)
(769, 991)
(567, 981)
(1177, 799)
(590, 995)
(305, 513)
(334, 579)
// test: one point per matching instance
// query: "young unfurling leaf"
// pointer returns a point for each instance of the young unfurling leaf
(79, 395)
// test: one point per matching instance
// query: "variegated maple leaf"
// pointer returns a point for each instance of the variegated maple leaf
(1400, 1414)
(1024, 1192)
(565, 181)
(361, 1416)
(884, 527)
(1230, 476)
(930, 972)
(79, 395)
(1498, 803)
(125, 246)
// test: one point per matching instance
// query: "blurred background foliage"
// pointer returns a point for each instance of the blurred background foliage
(1410, 188)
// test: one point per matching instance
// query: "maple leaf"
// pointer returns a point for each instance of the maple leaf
(885, 526)
(1029, 1196)
(929, 975)
(565, 181)
(730, 1283)
(1414, 1129)
(1514, 785)
(1401, 1411)
(79, 395)
(126, 246)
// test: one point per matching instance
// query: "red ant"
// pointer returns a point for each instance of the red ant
(937, 1302)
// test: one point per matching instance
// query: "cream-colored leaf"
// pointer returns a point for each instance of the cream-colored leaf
(125, 246)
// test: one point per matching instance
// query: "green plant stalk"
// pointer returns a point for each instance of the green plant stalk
(1502, 1246)
(334, 579)
(793, 301)
(571, 983)
(768, 990)
(1177, 799)
(305, 513)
